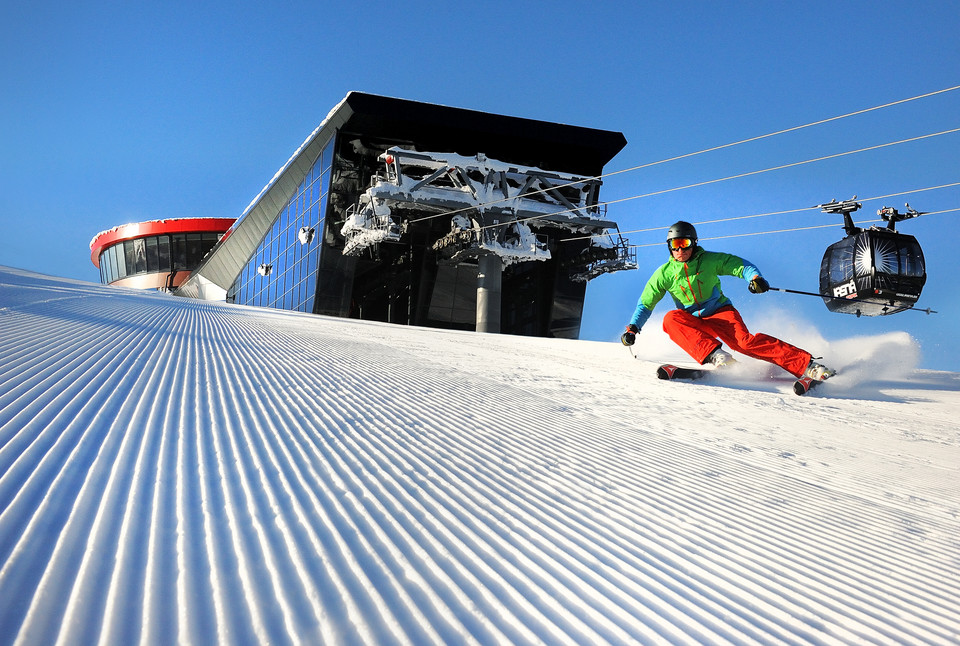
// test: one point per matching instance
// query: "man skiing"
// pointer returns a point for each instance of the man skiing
(705, 319)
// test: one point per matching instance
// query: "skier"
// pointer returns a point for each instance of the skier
(705, 318)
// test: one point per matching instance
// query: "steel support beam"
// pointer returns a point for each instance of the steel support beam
(489, 273)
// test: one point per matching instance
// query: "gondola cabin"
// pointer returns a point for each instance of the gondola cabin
(871, 272)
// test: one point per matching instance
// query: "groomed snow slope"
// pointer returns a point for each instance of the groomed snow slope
(173, 470)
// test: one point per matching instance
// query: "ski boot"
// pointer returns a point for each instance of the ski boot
(818, 372)
(720, 358)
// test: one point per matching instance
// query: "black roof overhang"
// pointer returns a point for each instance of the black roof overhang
(437, 128)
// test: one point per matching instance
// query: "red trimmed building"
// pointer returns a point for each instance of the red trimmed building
(159, 254)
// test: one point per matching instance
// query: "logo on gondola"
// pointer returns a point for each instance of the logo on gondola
(847, 290)
(882, 258)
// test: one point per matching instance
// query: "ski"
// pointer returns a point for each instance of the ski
(803, 385)
(669, 371)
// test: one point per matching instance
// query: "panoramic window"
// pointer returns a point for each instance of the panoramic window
(155, 254)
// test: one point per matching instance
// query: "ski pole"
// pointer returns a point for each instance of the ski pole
(926, 310)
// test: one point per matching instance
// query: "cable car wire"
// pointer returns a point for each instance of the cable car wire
(693, 154)
(731, 177)
(809, 228)
(762, 215)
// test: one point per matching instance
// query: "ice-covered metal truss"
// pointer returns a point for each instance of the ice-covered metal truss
(369, 223)
(604, 255)
(489, 192)
(513, 241)
(492, 207)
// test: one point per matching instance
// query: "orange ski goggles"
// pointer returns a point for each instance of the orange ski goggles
(679, 243)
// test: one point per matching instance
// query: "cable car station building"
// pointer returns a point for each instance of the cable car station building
(421, 214)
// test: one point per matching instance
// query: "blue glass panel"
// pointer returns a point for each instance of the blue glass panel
(179, 244)
(118, 264)
(322, 209)
(129, 258)
(152, 254)
(194, 250)
(163, 252)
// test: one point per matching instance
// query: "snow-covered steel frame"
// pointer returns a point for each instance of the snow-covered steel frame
(486, 197)
(409, 278)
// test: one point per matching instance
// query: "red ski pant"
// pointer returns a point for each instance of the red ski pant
(698, 337)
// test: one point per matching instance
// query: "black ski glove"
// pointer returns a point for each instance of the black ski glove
(630, 336)
(759, 285)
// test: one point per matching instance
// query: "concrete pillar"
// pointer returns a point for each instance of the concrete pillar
(489, 272)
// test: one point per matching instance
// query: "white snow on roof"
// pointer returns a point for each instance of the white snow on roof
(174, 470)
(128, 224)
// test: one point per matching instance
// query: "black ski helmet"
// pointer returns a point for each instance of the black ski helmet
(682, 230)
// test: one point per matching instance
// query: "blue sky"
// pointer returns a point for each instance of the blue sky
(117, 112)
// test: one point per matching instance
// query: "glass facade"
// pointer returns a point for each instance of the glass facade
(282, 273)
(155, 254)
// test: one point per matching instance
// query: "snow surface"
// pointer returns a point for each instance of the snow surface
(184, 471)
